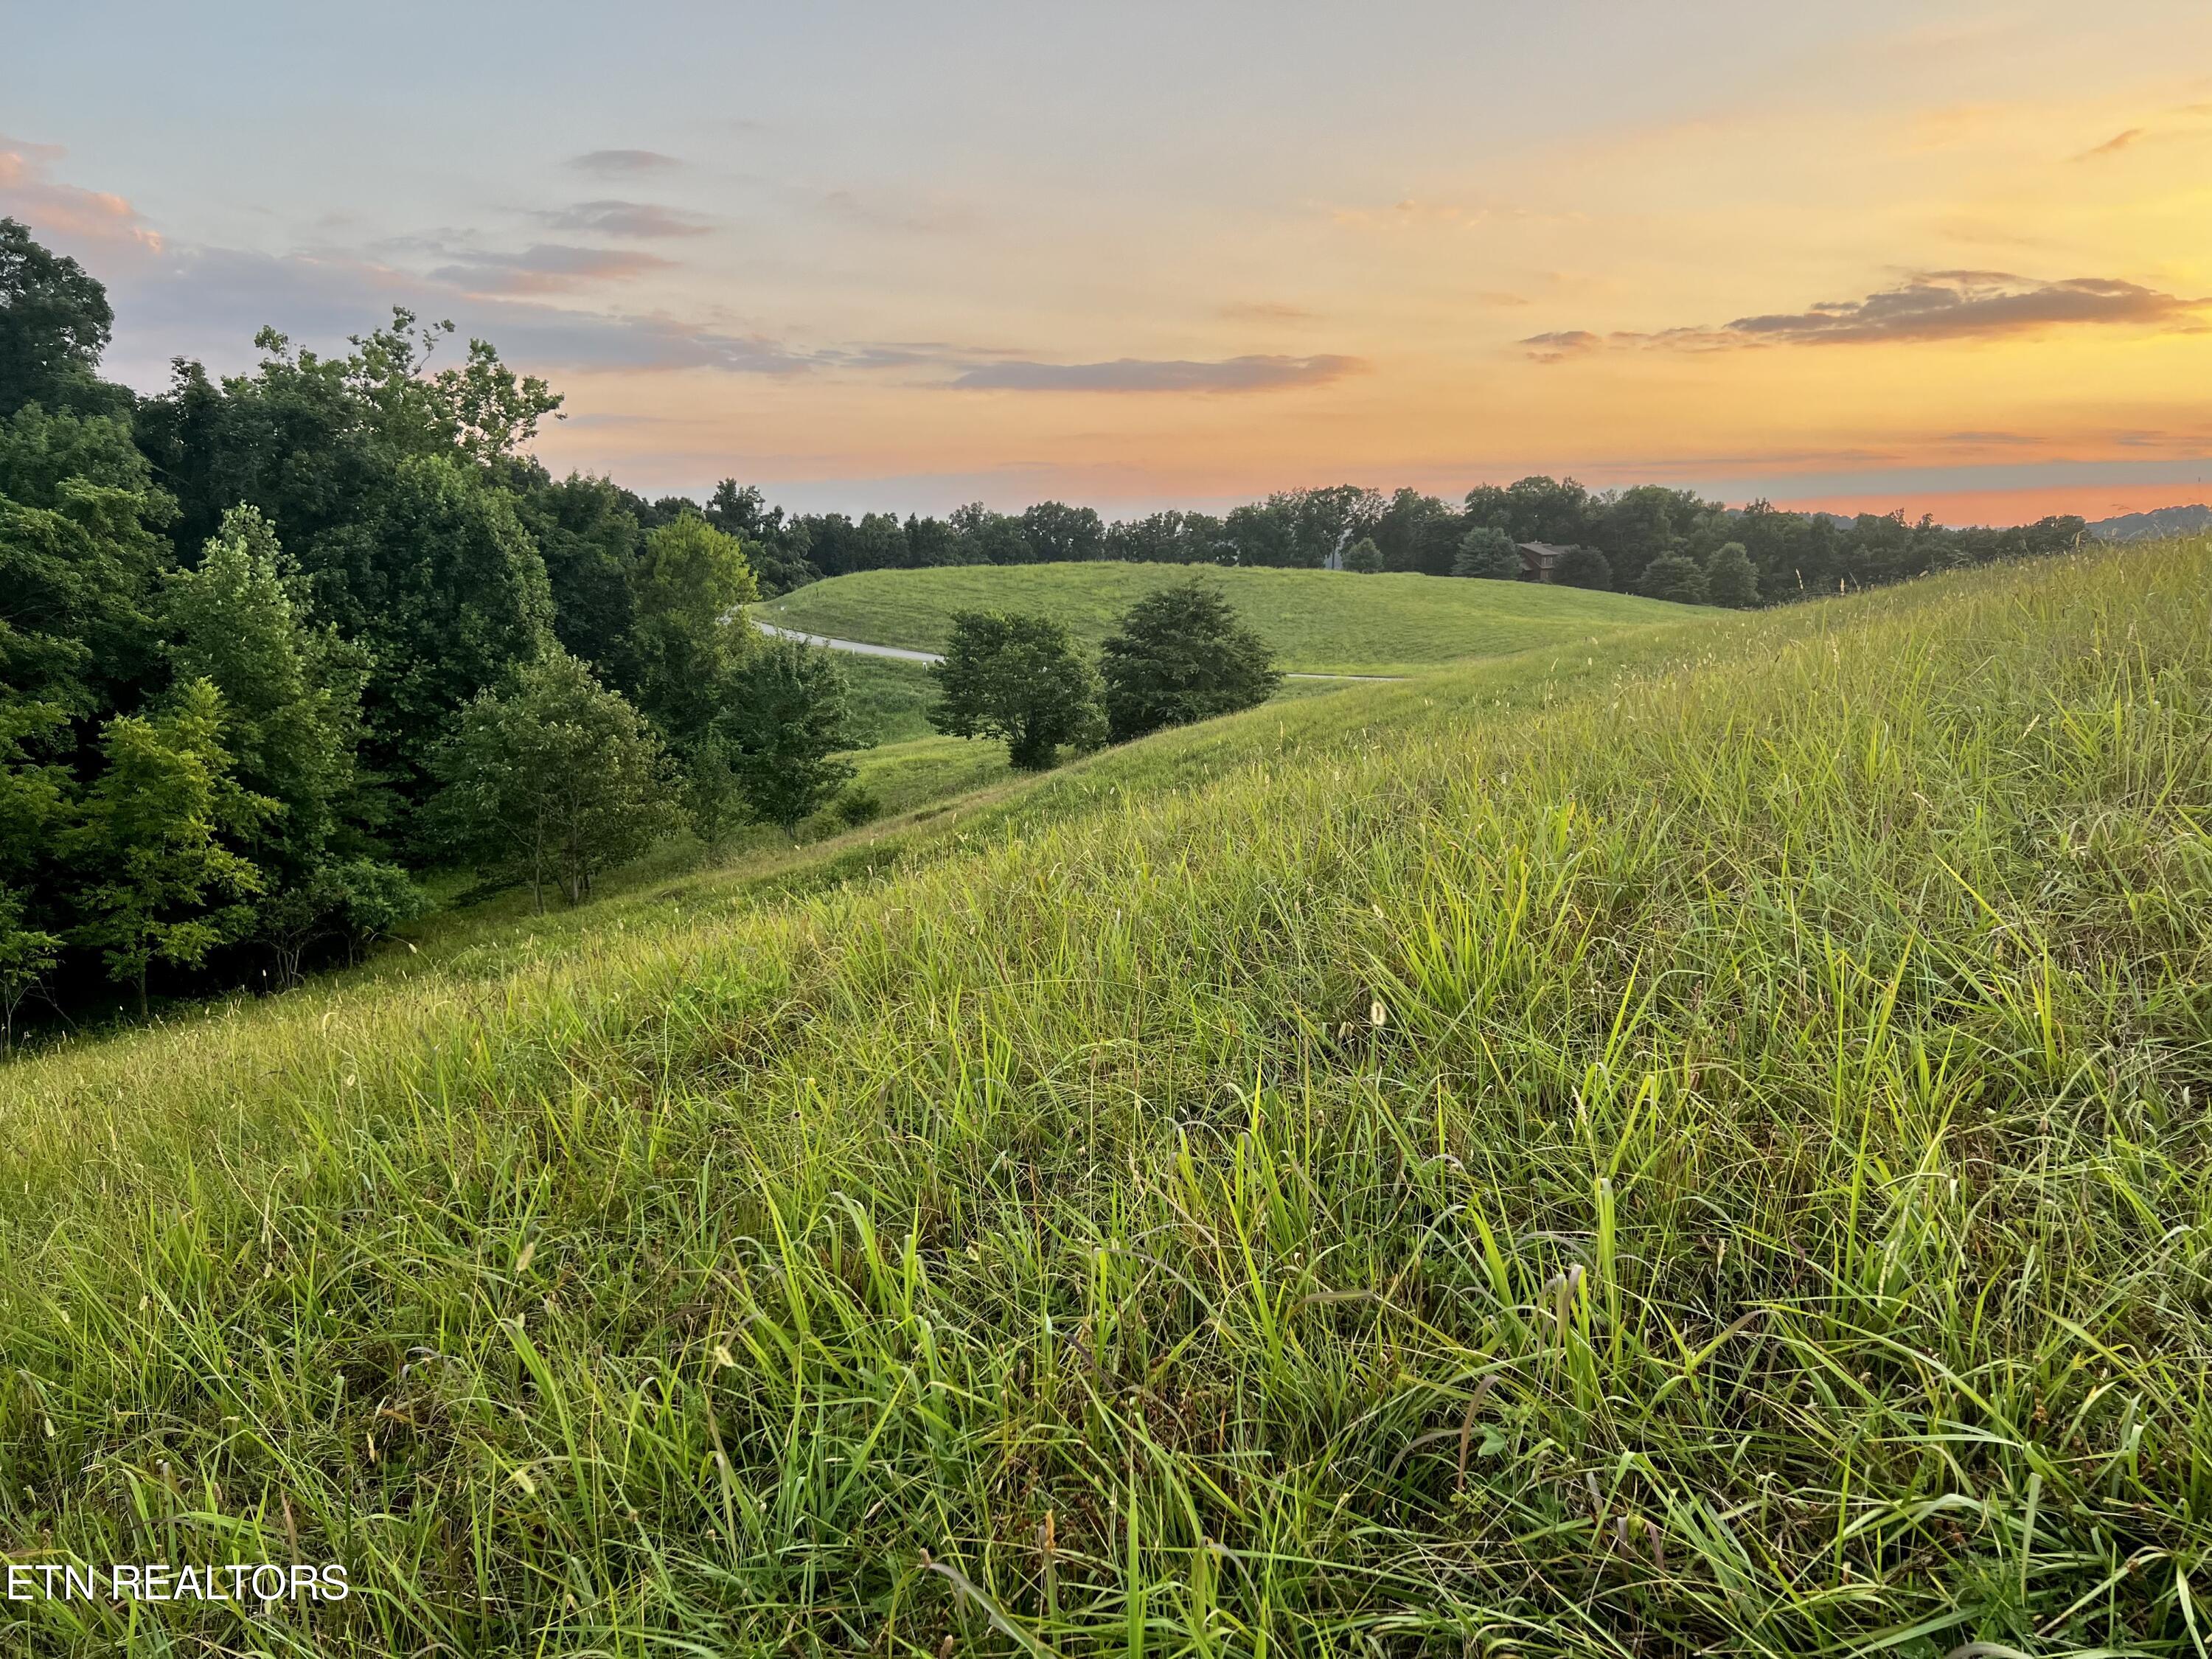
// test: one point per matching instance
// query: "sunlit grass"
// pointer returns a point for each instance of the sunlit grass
(1318, 621)
(1692, 1143)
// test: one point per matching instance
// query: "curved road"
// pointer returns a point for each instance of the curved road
(861, 648)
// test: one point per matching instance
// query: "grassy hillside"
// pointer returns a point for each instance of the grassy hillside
(891, 697)
(1318, 621)
(1692, 1143)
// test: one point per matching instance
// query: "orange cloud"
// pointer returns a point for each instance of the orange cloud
(62, 209)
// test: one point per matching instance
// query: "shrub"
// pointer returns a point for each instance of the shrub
(1730, 578)
(1583, 567)
(1182, 654)
(1489, 552)
(1671, 576)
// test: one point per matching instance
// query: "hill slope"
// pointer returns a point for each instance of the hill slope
(1695, 1142)
(1318, 621)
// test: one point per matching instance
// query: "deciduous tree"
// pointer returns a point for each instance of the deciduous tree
(1180, 654)
(1018, 679)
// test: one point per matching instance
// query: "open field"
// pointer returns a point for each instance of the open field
(1318, 621)
(1694, 1140)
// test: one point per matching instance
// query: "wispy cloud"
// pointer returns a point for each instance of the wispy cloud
(55, 208)
(1255, 374)
(547, 267)
(2112, 146)
(1562, 343)
(640, 221)
(1264, 311)
(618, 163)
(1937, 305)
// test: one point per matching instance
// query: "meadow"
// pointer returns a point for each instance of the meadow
(1691, 1138)
(1323, 622)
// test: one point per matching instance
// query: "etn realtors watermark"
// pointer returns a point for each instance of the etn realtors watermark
(244, 1581)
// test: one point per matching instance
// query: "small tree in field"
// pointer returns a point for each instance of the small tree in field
(1363, 556)
(554, 778)
(1018, 679)
(1487, 552)
(1673, 577)
(1583, 567)
(791, 719)
(1182, 654)
(1731, 579)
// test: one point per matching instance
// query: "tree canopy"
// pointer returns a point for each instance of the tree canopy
(1018, 679)
(1182, 654)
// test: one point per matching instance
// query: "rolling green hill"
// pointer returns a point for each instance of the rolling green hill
(1319, 620)
(1694, 1142)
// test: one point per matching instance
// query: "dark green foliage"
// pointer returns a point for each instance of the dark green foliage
(1018, 679)
(857, 806)
(441, 584)
(163, 879)
(1487, 552)
(689, 631)
(790, 725)
(54, 325)
(1671, 576)
(80, 554)
(1583, 567)
(1182, 655)
(552, 778)
(27, 956)
(1363, 556)
(590, 540)
(1730, 580)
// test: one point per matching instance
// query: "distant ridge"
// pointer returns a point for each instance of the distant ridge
(2163, 521)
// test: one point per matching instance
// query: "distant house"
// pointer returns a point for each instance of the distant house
(1538, 559)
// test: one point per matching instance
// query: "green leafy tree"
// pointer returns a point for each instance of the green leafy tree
(1180, 654)
(443, 588)
(1488, 552)
(1730, 578)
(689, 592)
(1363, 556)
(165, 881)
(1583, 567)
(28, 955)
(291, 691)
(792, 720)
(553, 778)
(55, 322)
(589, 537)
(1018, 679)
(80, 558)
(1672, 576)
(713, 798)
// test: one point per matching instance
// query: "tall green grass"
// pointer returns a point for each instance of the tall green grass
(1694, 1143)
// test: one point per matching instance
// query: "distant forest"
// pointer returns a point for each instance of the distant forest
(1795, 554)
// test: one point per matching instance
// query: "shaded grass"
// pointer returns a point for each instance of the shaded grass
(1694, 1143)
(1318, 621)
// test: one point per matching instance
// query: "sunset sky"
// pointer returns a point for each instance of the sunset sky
(1950, 258)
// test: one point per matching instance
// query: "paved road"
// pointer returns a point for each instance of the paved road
(858, 648)
(862, 648)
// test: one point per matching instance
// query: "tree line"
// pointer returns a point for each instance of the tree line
(1647, 539)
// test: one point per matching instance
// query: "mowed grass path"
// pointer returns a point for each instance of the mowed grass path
(1318, 621)
(1693, 1144)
